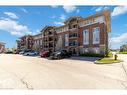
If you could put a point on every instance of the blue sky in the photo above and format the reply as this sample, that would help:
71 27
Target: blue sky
16 21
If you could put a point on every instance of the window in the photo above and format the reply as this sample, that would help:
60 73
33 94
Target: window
86 37
73 26
73 43
96 36
66 40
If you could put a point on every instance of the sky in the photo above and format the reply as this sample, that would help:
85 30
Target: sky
16 21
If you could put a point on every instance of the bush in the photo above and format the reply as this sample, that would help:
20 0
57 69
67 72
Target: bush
122 52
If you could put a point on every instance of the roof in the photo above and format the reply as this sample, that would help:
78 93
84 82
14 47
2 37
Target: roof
47 27
73 17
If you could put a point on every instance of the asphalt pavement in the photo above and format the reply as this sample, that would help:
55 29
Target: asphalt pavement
24 72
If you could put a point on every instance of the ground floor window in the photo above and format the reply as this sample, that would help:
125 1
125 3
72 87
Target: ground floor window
96 35
86 37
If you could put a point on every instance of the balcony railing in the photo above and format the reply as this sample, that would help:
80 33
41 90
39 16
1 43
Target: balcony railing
73 44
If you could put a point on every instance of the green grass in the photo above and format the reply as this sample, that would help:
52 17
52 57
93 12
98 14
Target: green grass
122 53
107 60
110 54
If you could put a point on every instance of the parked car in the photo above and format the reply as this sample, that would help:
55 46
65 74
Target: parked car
60 54
9 52
44 53
30 53
22 52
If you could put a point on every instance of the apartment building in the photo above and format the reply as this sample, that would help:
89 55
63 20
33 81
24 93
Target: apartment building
2 47
85 35
25 42
37 42
78 35
49 38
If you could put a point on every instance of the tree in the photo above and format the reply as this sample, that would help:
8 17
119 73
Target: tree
36 47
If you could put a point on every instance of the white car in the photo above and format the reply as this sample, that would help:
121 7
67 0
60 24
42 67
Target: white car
30 53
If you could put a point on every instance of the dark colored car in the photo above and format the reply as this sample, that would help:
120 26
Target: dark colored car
44 53
60 54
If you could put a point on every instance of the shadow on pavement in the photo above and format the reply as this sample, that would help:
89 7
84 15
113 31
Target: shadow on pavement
92 59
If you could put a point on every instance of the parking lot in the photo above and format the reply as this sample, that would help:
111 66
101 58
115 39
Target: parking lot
25 72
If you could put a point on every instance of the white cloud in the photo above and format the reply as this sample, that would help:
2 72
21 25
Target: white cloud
106 7
53 16
93 8
61 20
69 9
99 9
58 23
13 27
54 6
62 17
119 39
119 10
24 10
11 15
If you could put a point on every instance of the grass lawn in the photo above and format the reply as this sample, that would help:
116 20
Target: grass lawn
122 53
107 60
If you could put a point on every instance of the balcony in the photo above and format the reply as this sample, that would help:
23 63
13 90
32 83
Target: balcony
50 33
73 44
74 35
50 39
46 46
50 44
73 27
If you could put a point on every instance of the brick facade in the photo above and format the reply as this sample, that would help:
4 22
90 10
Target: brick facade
25 42
78 35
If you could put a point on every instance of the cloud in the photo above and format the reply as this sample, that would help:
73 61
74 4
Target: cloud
11 15
99 9
119 10
69 9
62 17
24 10
61 20
53 16
119 39
54 6
13 27
58 23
